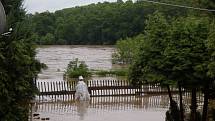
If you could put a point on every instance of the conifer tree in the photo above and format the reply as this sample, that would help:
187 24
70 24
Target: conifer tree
18 66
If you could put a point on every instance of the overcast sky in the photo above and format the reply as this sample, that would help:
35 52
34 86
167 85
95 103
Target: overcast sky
33 6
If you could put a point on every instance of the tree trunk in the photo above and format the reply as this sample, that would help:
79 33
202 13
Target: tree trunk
181 103
205 106
193 105
170 95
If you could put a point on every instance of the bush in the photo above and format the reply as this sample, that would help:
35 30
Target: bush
118 72
77 68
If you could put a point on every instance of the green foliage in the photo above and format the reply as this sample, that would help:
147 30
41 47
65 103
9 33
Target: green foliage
174 51
76 68
18 66
211 50
47 39
118 72
188 50
178 51
127 50
102 23
150 58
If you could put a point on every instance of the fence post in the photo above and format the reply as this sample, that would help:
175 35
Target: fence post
41 84
56 86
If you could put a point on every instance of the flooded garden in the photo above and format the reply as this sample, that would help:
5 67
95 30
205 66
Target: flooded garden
105 108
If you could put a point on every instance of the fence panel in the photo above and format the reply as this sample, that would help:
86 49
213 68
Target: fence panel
100 88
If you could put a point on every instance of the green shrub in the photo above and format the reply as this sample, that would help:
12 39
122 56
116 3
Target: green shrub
77 68
118 72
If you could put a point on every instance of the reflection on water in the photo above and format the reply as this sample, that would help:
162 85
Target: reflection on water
115 108
128 108
82 109
58 57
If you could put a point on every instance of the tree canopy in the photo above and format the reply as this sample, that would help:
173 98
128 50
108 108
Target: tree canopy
182 52
177 52
102 23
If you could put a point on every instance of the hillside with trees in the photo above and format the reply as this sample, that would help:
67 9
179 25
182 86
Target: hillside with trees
101 23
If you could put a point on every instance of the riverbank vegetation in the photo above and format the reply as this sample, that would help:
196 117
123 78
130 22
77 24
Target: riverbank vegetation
115 72
101 24
126 50
77 68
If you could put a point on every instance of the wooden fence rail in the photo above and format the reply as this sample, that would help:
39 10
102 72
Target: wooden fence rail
100 88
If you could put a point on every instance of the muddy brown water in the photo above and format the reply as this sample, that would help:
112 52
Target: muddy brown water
127 108
58 57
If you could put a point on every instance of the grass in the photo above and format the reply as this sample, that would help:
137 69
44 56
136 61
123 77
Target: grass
118 72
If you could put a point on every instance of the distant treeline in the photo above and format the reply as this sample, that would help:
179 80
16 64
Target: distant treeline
102 23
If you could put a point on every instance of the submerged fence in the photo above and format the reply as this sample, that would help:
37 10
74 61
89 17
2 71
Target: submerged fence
107 103
115 103
58 96
99 88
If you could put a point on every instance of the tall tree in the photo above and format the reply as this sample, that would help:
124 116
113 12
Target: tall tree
18 66
188 47
149 66
176 52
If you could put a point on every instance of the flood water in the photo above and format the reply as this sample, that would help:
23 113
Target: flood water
123 108
128 108
58 57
